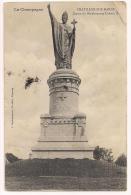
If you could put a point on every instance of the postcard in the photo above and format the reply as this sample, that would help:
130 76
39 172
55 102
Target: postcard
65 96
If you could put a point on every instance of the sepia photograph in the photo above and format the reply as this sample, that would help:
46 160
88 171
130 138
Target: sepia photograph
65 96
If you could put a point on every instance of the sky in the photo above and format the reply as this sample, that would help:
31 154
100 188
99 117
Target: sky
99 59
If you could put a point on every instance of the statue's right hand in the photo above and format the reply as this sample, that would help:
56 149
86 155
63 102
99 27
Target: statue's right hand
48 6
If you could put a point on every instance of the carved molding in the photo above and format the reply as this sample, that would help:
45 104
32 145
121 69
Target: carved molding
54 82
47 121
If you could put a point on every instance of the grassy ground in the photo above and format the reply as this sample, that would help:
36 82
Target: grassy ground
65 183
64 174
64 167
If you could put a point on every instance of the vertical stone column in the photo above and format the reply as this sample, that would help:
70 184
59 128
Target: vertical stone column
64 93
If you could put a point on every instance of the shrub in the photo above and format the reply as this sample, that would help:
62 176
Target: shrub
11 157
103 154
121 160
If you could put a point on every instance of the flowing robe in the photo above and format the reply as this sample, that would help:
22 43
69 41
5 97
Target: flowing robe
64 43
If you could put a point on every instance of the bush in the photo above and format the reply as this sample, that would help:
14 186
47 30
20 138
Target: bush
97 153
11 157
121 160
103 154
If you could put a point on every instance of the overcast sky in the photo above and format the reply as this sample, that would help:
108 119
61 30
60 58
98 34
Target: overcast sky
99 59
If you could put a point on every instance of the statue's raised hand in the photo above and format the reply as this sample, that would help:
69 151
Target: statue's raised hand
48 6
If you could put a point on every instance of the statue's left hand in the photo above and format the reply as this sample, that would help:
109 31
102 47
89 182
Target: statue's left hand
74 29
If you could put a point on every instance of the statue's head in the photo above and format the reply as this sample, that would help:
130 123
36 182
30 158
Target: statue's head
64 17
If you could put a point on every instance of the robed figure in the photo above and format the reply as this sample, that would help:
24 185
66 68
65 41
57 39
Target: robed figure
63 40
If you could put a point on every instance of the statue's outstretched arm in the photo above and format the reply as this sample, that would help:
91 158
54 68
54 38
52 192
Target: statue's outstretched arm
50 13
49 10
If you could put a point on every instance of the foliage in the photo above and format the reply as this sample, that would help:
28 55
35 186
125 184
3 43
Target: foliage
97 154
11 157
103 154
121 160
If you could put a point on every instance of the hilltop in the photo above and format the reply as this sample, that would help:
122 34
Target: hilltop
64 167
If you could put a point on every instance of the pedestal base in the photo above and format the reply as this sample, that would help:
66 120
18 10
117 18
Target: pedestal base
76 154
63 130
62 137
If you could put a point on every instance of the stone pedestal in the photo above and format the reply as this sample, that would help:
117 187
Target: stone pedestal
63 129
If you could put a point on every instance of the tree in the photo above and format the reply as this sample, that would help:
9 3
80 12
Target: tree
11 157
103 154
121 160
107 154
97 153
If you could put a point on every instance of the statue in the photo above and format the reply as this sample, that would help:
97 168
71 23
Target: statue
63 40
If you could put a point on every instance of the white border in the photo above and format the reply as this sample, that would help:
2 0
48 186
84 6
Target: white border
2 103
